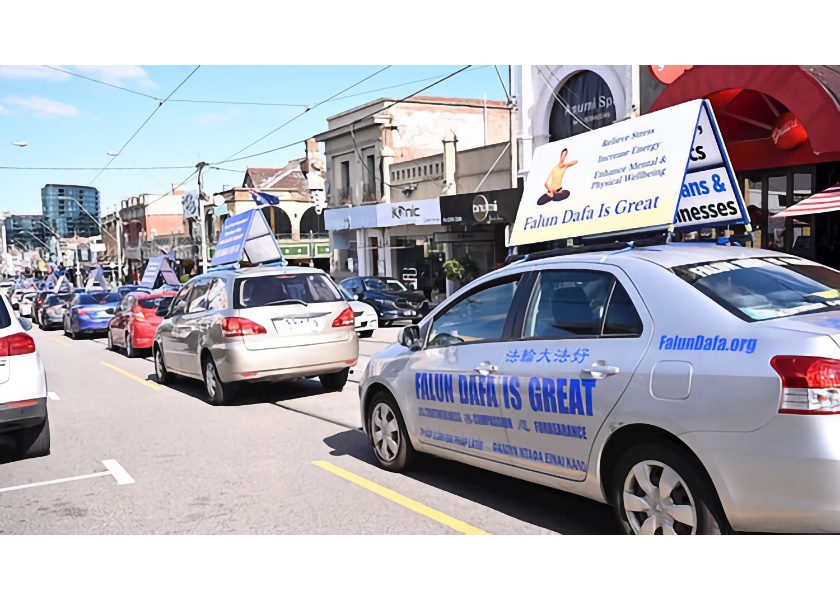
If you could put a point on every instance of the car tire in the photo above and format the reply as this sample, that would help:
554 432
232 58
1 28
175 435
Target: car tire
218 393
366 334
111 345
385 422
130 350
34 442
335 382
163 375
690 489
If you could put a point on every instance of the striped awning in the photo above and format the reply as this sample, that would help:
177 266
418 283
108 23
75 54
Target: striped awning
825 201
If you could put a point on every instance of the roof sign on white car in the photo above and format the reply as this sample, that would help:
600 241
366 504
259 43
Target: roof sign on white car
659 172
247 236
159 265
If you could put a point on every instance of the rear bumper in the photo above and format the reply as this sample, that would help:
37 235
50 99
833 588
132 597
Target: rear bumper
98 325
20 415
236 363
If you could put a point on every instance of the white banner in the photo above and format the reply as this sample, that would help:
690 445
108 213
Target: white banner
191 205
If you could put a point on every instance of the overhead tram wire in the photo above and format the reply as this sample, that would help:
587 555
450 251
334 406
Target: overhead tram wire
354 123
308 109
118 87
139 129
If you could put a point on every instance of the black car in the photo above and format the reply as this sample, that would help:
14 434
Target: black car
391 299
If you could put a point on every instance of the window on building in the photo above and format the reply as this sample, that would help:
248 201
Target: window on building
371 174
345 177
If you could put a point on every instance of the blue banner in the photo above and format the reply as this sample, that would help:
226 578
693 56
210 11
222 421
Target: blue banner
151 273
232 239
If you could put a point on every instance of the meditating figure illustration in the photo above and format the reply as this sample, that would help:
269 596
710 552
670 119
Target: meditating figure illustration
554 183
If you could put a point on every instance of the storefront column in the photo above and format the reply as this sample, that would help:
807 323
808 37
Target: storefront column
362 253
388 254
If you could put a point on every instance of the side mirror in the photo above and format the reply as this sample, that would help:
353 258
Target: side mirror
25 323
410 338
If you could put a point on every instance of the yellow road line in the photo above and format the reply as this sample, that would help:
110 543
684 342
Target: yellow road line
408 503
145 382
62 340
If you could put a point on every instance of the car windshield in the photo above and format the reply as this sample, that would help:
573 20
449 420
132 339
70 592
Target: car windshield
99 298
288 288
384 285
760 289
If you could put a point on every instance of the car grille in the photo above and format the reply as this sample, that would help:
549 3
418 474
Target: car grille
403 303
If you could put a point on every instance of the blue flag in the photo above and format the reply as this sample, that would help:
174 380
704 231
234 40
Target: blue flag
263 198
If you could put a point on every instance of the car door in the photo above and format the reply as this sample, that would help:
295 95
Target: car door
453 385
169 332
191 327
120 321
574 348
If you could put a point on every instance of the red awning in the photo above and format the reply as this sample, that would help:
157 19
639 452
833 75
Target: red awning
823 202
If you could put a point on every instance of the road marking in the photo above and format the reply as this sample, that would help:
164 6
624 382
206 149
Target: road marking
114 469
53 396
145 382
62 340
408 503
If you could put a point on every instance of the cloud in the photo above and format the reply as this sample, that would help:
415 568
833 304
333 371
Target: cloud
41 107
32 72
116 74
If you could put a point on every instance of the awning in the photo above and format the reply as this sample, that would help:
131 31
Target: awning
825 201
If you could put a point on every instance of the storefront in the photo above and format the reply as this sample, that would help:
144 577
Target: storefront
781 127
476 226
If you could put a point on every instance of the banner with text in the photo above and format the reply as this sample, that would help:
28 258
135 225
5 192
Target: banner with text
158 265
662 169
246 235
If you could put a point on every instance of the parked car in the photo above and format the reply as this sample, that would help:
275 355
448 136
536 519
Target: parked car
51 313
90 312
39 302
257 324
23 387
135 322
366 319
389 297
25 304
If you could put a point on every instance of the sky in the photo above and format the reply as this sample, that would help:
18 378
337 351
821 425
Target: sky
68 121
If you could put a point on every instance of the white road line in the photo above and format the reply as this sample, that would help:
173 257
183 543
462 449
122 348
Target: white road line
53 396
115 469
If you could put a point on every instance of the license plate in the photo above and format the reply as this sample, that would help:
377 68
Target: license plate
296 325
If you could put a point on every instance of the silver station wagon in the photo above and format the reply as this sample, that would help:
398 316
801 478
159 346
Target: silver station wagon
694 387
254 325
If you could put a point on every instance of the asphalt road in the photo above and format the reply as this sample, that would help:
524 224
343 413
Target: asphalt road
130 456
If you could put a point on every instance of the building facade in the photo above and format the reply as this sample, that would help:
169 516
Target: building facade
386 171
62 207
27 232
152 224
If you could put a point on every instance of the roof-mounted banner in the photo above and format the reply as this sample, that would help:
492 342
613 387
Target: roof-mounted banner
158 265
663 170
246 235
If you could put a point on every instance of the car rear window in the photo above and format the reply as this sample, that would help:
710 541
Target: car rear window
53 301
151 303
273 290
761 289
100 298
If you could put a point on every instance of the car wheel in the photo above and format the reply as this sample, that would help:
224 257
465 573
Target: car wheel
658 490
130 350
218 392
33 442
163 376
335 382
366 334
111 345
387 434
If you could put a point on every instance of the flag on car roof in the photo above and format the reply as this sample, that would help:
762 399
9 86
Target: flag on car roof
263 198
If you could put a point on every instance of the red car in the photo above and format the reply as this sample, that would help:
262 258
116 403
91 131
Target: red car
134 324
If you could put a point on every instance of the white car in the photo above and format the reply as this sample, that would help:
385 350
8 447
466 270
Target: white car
367 320
23 387
25 304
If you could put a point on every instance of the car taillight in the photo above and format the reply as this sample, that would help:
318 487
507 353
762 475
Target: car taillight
811 384
17 345
237 327
82 311
345 319
139 316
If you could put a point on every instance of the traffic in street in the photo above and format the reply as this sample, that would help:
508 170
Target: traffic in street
131 456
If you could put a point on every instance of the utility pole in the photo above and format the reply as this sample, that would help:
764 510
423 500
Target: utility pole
200 166
514 141
119 243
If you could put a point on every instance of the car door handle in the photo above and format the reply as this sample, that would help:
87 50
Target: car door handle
601 370
486 368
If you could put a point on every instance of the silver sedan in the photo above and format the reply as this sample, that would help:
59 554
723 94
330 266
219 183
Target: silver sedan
691 386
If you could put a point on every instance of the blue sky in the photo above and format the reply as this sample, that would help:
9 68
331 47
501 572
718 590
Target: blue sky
68 121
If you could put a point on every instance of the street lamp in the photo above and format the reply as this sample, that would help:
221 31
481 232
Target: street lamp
20 144
112 153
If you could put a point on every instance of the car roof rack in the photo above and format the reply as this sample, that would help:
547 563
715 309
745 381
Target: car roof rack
658 239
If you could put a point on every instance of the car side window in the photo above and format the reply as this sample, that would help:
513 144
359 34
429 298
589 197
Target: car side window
217 295
567 304
622 318
179 302
198 298
480 317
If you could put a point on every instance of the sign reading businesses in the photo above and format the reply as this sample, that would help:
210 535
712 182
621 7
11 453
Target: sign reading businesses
667 169
246 235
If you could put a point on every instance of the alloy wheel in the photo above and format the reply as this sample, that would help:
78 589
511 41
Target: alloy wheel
385 433
657 501
210 379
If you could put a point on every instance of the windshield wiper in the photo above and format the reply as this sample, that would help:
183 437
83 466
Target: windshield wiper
286 301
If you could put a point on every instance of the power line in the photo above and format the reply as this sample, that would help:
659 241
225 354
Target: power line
118 87
139 129
502 81
392 87
308 109
96 168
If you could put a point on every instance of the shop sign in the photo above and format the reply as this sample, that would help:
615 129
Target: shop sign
632 176
497 206
322 249
295 251
585 103
668 74
413 212
788 133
